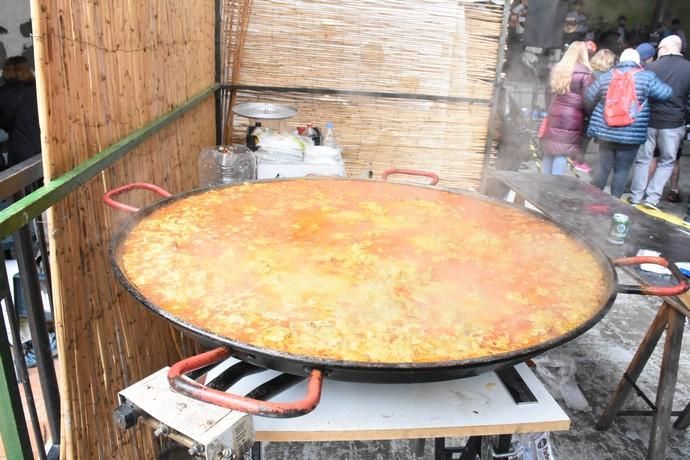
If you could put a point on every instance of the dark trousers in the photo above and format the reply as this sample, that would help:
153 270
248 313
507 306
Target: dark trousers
618 157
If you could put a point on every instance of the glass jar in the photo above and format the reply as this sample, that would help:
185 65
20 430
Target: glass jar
224 164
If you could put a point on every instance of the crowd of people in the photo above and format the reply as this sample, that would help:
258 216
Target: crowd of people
635 109
616 36
19 111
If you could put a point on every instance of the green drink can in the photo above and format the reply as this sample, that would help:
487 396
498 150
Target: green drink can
620 225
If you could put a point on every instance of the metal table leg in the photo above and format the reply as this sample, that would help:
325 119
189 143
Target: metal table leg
419 445
256 451
467 452
440 449
683 420
472 448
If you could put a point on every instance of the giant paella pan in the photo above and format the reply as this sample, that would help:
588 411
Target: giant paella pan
362 279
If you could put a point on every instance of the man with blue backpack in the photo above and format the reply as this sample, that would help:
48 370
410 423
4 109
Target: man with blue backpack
621 116
667 124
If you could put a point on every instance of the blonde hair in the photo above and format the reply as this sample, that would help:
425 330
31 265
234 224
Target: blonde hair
17 68
603 60
562 73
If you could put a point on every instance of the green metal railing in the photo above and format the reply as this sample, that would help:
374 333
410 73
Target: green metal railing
21 212
15 218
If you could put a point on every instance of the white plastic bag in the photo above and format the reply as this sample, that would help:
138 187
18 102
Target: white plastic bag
280 148
537 446
558 372
530 446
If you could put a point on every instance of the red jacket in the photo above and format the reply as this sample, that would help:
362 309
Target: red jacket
563 135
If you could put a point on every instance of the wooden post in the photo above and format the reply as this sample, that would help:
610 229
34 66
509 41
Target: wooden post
498 83
667 384
674 322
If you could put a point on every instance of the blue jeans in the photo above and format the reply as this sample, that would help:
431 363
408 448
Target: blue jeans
553 164
668 141
618 157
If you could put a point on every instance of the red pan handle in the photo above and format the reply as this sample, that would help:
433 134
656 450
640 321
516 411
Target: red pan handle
108 197
411 172
661 291
195 390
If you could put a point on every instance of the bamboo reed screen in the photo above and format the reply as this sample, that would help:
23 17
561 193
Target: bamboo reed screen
439 48
104 69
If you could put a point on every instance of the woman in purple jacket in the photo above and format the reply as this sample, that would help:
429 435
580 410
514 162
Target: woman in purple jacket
562 137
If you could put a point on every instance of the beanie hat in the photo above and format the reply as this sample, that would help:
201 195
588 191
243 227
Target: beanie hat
670 45
646 51
630 55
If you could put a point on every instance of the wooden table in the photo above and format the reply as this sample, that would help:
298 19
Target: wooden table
588 210
474 406
509 401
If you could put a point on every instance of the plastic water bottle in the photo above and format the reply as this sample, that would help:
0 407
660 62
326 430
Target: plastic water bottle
329 137
224 165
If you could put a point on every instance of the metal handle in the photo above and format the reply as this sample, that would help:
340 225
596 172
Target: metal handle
125 188
195 390
661 291
411 172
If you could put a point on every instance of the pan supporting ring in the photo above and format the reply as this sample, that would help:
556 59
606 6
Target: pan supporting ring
184 385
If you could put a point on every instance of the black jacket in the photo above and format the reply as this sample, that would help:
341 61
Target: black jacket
19 118
673 70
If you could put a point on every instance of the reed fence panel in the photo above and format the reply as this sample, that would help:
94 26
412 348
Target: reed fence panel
105 69
430 49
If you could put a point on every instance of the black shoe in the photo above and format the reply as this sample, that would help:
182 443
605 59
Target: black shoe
30 355
673 196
